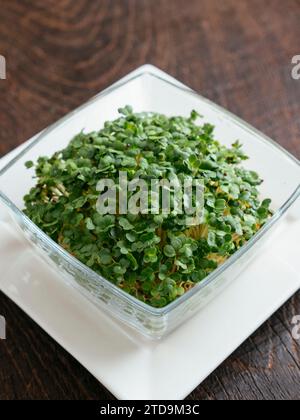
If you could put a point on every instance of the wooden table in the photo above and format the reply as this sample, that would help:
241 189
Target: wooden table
237 53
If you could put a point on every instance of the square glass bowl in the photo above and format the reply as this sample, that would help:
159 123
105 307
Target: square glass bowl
149 89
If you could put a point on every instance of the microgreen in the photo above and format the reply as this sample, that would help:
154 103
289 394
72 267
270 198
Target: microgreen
155 258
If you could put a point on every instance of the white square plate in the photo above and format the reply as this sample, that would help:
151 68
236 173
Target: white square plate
113 353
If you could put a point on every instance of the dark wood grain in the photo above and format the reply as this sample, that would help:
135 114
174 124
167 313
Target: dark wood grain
236 52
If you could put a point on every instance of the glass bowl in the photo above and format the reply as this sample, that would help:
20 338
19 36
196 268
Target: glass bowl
149 89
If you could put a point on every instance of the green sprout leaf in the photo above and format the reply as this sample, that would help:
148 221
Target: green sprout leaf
169 251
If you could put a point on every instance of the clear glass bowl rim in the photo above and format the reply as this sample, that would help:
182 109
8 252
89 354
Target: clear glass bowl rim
154 312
